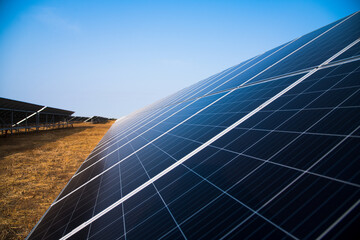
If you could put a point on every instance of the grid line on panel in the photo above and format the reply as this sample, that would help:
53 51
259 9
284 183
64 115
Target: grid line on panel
145 219
121 195
273 130
96 200
339 220
162 199
229 195
184 193
319 119
196 212
330 64
125 122
343 61
307 202
263 160
72 214
299 170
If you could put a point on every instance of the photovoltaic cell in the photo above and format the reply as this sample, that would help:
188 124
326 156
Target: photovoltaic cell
268 148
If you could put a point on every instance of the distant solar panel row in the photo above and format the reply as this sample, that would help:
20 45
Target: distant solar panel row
268 148
16 115
9 104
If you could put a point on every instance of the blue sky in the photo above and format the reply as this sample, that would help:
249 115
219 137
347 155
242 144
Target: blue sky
110 58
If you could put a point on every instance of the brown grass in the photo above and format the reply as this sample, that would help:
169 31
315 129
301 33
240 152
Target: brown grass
34 168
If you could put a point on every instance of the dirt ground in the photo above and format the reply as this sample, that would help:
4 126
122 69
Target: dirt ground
34 167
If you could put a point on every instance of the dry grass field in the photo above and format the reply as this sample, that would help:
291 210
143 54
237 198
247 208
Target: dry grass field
34 167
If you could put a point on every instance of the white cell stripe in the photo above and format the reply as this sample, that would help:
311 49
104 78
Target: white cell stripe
338 220
269 161
170 168
29 116
122 207
277 131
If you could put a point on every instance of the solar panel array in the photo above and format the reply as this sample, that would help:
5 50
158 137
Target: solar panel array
16 116
268 148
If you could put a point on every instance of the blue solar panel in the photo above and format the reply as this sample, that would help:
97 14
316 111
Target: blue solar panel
268 148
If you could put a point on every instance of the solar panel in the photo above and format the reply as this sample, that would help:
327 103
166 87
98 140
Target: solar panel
268 148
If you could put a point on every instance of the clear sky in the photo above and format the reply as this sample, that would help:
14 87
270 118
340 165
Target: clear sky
110 58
